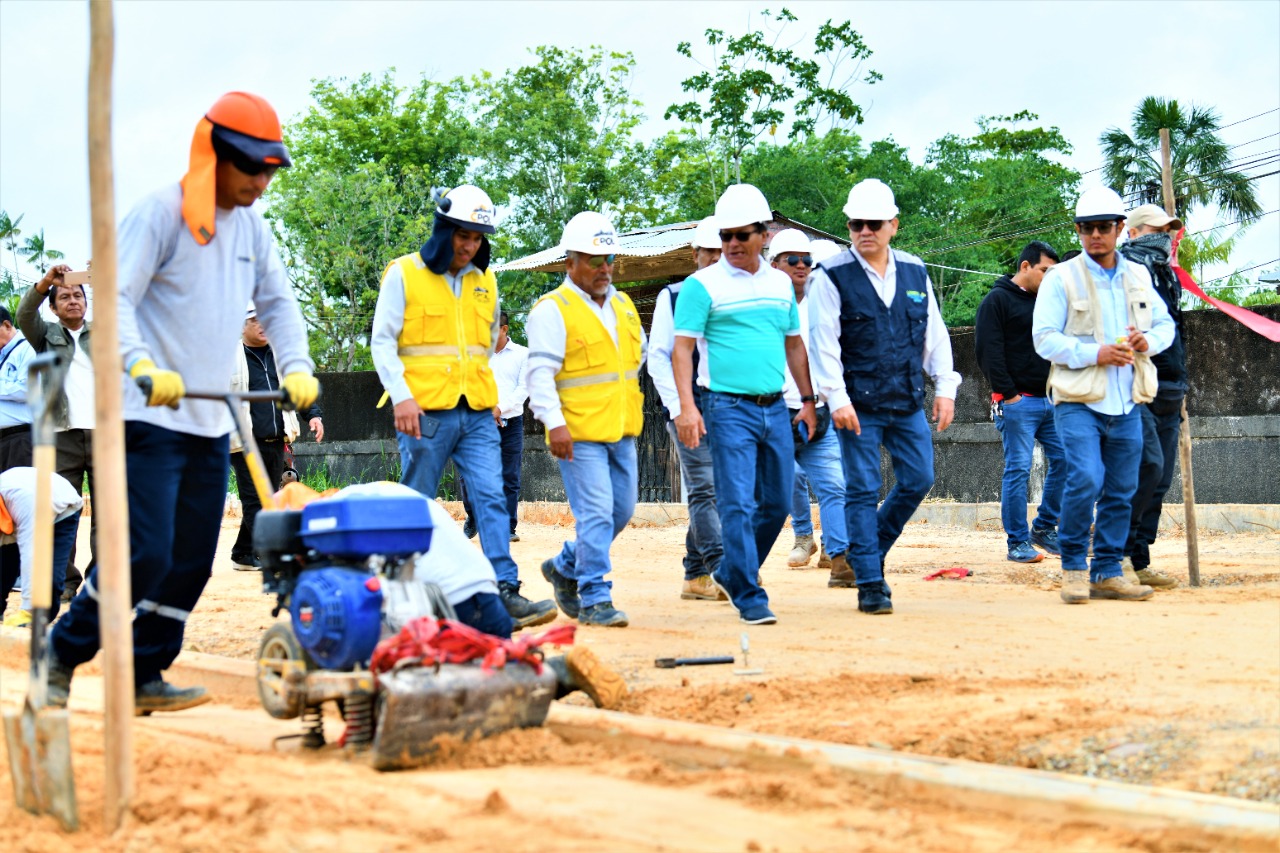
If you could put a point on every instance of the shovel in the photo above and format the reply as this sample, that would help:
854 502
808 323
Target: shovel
39 738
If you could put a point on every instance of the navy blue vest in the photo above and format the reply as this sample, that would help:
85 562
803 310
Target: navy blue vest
882 348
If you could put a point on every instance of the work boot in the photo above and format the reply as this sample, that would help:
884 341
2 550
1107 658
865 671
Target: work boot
841 573
586 673
1126 571
1075 587
702 589
1155 580
468 529
565 589
59 682
824 559
604 614
18 619
1046 540
523 612
801 552
1120 589
160 695
874 598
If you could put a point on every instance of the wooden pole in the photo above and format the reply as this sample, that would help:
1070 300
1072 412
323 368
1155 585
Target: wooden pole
1184 435
109 494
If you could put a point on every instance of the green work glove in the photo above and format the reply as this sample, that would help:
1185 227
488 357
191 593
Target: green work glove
162 387
302 388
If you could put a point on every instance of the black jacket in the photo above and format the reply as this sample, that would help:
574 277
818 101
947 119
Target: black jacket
1002 337
268 418
1171 363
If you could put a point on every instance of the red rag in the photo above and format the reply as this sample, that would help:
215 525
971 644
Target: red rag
954 572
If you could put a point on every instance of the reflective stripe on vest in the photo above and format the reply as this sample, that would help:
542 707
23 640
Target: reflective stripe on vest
444 340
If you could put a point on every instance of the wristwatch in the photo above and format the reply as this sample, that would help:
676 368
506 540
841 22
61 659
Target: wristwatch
809 398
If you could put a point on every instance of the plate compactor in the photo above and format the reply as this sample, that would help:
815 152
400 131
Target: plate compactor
343 568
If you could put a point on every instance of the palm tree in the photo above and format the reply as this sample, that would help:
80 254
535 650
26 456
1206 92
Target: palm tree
1201 161
38 254
9 233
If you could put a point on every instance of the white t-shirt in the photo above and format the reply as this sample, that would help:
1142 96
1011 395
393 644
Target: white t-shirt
79 386
18 489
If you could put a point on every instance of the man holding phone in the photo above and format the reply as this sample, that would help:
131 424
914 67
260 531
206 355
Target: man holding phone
434 327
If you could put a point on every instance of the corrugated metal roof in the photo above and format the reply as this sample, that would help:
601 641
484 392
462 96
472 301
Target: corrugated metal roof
643 243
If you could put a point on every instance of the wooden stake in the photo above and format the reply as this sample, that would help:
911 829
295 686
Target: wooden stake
109 492
1184 435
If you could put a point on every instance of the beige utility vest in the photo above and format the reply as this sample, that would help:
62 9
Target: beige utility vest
1084 322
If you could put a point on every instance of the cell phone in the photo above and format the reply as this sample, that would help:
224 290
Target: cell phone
804 431
428 425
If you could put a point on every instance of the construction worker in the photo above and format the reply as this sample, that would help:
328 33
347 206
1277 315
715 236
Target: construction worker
876 330
192 255
15 416
702 545
817 454
17 537
586 346
435 325
1098 320
746 312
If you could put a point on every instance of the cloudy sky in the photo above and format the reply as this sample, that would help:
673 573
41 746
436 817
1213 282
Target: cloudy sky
1082 66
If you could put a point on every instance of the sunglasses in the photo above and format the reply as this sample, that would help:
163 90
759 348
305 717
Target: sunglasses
798 260
855 225
597 261
740 236
1096 227
254 168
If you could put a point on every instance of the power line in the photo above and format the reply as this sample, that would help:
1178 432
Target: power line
1251 141
1238 272
1250 118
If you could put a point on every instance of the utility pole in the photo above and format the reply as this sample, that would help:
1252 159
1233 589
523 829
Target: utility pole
1184 435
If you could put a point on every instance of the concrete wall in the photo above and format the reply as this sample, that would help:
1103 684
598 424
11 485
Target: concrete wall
1234 406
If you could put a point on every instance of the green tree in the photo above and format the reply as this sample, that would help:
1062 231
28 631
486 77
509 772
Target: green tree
9 234
38 253
1201 165
753 85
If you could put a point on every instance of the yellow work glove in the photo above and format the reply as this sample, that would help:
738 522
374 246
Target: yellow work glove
302 388
162 387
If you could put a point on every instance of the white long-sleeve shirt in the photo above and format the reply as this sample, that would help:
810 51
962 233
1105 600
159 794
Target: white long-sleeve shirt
546 331
824 332
1049 320
18 489
388 322
510 365
662 341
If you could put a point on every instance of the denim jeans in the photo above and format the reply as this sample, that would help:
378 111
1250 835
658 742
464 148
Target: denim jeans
1161 421
601 484
872 532
470 439
820 463
1021 425
752 452
177 485
511 438
703 549
1102 469
64 539
485 612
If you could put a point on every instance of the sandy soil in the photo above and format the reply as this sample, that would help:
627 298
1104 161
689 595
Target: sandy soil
1181 691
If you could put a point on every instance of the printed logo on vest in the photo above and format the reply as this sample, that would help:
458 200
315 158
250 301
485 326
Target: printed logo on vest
916 296
482 294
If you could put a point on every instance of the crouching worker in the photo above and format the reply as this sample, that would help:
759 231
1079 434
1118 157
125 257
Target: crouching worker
17 537
467 579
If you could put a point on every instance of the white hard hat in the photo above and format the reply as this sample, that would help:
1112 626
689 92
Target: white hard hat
1099 204
707 234
789 240
590 233
468 206
870 199
823 249
742 204
250 312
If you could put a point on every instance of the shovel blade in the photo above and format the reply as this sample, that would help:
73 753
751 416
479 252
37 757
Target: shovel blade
39 746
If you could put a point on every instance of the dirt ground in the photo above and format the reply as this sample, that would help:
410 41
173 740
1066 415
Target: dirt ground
1181 691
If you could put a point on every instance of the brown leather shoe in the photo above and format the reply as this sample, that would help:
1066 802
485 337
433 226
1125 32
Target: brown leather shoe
841 573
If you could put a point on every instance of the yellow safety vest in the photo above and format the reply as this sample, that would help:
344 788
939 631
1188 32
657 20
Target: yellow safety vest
598 384
444 343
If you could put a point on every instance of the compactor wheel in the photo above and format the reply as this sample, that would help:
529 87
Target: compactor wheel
278 655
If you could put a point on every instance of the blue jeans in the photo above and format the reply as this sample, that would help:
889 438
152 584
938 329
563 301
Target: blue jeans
485 612
872 532
177 486
1161 421
751 450
64 540
1102 468
1021 425
601 484
703 549
821 464
470 439
511 438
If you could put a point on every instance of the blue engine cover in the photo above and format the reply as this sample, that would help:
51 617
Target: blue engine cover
337 616
355 525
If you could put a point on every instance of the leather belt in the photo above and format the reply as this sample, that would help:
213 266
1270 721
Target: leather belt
758 399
